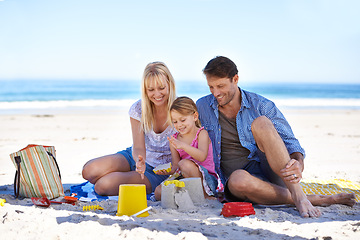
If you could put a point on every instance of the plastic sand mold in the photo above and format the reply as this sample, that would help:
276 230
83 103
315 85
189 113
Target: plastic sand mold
45 202
237 209
163 167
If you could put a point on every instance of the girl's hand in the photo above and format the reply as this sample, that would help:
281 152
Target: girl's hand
140 166
176 143
162 172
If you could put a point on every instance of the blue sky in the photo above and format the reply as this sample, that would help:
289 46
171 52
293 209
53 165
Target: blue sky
270 41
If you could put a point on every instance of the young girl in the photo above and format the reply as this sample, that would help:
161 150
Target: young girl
191 148
151 126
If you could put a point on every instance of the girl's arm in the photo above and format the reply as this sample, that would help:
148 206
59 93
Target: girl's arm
174 162
175 159
138 148
199 153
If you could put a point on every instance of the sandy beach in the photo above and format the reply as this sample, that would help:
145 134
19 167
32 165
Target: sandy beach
331 138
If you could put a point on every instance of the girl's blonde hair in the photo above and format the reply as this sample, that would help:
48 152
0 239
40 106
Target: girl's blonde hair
185 106
155 71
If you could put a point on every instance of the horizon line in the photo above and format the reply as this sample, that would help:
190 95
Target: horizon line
246 82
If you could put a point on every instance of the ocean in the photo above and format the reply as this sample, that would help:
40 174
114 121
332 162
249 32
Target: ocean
19 95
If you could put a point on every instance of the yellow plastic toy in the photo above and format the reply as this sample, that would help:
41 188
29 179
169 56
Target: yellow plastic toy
92 208
2 201
132 199
176 182
166 167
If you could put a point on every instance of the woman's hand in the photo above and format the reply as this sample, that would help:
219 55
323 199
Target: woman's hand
140 166
292 171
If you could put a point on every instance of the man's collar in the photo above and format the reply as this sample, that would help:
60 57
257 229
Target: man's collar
213 102
244 101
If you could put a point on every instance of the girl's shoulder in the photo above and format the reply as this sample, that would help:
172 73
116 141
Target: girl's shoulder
202 133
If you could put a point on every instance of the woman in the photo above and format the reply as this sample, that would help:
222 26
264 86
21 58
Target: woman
151 125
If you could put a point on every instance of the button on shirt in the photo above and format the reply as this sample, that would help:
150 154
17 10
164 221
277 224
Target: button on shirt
252 107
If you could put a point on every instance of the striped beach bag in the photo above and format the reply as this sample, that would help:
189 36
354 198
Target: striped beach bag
37 172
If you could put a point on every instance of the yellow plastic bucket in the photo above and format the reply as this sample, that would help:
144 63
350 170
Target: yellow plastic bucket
132 199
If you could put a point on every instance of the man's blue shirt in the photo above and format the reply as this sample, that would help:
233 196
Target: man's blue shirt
252 106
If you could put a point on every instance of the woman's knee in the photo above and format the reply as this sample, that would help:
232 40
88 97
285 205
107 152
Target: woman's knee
89 171
98 167
106 186
101 188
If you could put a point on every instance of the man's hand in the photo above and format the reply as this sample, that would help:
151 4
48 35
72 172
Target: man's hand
292 171
140 166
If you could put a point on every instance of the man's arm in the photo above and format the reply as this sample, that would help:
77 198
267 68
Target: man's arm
300 158
292 172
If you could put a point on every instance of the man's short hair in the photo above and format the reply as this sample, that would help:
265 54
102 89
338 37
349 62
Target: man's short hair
221 67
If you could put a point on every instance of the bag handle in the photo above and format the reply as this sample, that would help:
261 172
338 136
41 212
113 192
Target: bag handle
17 177
55 163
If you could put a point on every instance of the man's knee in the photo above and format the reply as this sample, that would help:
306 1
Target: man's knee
263 131
239 181
261 124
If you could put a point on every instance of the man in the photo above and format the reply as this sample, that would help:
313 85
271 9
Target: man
255 151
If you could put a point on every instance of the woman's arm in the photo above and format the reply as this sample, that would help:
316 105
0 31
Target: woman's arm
138 147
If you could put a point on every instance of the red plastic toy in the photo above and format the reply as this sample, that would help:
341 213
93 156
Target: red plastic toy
237 209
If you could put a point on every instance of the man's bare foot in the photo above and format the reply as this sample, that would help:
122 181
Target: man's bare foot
327 200
302 203
340 198
344 198
306 209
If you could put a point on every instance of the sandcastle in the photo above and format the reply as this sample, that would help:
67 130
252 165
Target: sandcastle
182 194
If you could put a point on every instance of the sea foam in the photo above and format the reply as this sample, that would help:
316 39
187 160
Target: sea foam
126 103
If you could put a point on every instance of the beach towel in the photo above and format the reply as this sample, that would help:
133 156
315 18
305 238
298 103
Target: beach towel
86 192
328 187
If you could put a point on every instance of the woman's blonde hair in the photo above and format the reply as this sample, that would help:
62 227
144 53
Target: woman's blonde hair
155 71
185 106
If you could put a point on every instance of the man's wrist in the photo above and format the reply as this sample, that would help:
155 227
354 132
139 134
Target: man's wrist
298 157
